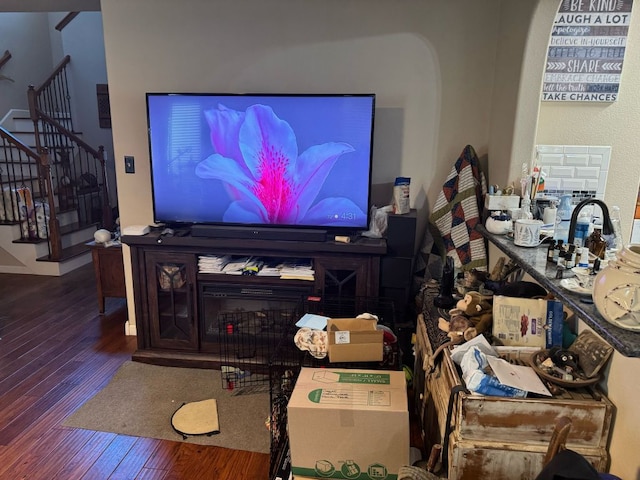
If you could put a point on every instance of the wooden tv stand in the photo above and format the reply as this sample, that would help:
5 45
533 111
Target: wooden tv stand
176 305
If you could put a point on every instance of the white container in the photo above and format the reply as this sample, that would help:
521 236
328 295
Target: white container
549 215
498 224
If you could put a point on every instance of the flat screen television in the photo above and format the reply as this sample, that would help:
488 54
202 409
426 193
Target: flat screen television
261 160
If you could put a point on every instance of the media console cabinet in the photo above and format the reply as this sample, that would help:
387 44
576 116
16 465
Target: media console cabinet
177 308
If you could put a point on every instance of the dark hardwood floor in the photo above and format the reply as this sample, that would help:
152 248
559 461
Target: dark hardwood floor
55 353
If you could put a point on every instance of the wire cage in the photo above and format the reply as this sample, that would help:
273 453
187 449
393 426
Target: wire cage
248 340
287 361
283 373
349 307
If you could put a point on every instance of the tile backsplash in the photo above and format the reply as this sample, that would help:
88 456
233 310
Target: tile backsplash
579 170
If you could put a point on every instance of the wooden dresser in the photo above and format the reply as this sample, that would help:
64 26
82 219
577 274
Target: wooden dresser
497 437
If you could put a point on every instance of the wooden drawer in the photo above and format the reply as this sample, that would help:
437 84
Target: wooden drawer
494 437
505 461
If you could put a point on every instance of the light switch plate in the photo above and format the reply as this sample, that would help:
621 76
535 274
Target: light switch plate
129 165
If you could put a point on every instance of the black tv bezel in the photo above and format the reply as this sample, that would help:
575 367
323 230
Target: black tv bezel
331 229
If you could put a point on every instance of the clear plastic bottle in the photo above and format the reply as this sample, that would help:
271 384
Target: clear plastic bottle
582 229
616 242
563 219
584 258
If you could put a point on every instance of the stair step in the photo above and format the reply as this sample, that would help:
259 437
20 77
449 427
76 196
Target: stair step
69 252
64 230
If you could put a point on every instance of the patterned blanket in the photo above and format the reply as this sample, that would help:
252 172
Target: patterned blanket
457 212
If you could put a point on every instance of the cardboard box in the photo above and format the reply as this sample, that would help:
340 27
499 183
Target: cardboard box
354 340
527 322
348 423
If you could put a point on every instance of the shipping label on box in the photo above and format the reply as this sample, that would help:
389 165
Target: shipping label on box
354 340
347 423
527 322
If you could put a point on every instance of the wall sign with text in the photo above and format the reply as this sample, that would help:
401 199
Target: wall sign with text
586 51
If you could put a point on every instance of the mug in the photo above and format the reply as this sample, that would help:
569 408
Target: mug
549 215
526 232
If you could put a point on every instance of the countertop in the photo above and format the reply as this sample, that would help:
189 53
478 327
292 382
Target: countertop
534 262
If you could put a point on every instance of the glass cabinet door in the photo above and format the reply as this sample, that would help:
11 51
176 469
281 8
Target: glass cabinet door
172 309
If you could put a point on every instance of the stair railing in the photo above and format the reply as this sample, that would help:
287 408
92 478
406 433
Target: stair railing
78 171
25 182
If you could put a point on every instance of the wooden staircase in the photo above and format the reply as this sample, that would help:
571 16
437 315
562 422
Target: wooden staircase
53 186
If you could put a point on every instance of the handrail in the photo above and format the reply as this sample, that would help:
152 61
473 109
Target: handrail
6 56
66 20
53 235
69 133
18 144
52 77
71 175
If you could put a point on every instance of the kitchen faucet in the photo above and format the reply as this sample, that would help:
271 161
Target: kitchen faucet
607 226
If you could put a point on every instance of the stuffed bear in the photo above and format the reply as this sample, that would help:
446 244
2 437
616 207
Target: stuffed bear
479 314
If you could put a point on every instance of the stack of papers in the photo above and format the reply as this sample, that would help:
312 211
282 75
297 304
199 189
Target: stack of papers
235 266
271 268
297 270
212 263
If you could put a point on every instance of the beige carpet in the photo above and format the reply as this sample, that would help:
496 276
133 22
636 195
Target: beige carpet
141 398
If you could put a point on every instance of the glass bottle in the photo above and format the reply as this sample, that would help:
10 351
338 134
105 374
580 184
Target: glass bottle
557 249
550 250
570 257
597 243
526 208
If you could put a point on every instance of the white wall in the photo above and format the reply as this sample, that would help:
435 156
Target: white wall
433 81
615 124
21 33
430 64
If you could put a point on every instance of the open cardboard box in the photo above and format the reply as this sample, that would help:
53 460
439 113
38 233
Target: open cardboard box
354 340
527 322
348 423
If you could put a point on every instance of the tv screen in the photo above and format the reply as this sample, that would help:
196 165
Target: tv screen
261 160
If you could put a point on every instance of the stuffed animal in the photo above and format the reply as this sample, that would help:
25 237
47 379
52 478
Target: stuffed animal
476 309
455 327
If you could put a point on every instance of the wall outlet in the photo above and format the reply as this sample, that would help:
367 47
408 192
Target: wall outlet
129 165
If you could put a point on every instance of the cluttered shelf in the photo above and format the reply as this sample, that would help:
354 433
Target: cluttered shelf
534 262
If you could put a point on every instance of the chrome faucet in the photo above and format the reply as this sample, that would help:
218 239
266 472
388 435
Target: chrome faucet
607 226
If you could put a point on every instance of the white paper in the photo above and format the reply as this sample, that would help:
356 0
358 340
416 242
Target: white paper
313 321
517 376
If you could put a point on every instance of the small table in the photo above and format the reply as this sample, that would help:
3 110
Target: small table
109 269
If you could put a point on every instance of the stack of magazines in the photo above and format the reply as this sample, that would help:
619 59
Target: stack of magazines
212 263
300 269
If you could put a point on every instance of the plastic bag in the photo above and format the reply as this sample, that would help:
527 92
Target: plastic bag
378 222
473 364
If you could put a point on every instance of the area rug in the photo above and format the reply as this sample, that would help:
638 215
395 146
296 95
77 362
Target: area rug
140 400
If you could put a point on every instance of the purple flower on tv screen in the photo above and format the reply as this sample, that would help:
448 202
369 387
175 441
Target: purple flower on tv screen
256 158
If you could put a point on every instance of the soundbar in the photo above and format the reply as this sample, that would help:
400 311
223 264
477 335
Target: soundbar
290 234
